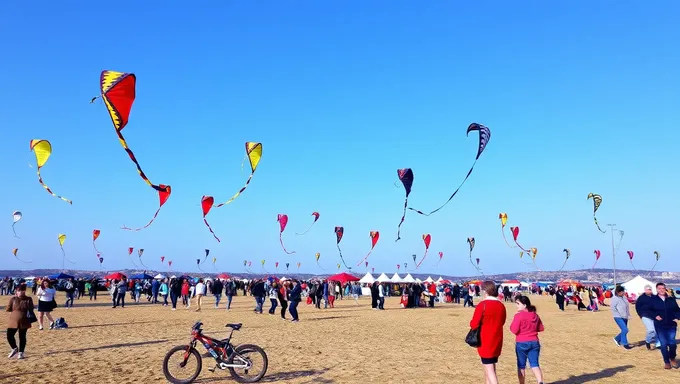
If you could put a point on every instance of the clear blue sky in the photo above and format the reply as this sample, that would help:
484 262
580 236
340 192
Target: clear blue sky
579 97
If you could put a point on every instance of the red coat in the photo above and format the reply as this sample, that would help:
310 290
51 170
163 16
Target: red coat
492 321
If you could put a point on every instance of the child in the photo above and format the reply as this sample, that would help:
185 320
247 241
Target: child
525 325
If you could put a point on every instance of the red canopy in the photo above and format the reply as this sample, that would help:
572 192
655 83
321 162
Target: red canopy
511 282
223 276
115 276
343 277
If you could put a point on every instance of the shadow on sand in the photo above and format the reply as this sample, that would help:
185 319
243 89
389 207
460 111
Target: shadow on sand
122 345
312 376
592 377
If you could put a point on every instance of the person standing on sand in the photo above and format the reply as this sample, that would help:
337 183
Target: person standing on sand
185 294
490 316
18 306
666 310
645 309
282 294
526 325
294 297
46 303
200 292
621 313
229 291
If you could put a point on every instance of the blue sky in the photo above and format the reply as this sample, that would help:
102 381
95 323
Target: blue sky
580 98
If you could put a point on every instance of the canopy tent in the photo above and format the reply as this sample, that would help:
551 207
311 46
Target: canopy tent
637 285
569 283
114 276
418 281
367 279
383 279
159 276
396 278
58 276
284 278
439 280
343 277
409 279
429 280
443 282
223 276
141 276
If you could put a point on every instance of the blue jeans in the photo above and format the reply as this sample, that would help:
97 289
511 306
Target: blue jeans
623 325
69 299
173 299
293 309
527 350
650 337
229 301
259 302
218 297
325 301
272 309
666 336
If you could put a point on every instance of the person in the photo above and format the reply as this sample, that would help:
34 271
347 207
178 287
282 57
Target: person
217 288
273 297
381 296
559 298
295 296
526 325
175 291
18 321
230 291
666 311
46 303
490 316
621 313
282 296
200 291
645 309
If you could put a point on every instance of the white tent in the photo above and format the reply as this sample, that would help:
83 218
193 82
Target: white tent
284 279
159 276
409 279
439 280
637 285
383 279
418 281
429 280
396 278
367 279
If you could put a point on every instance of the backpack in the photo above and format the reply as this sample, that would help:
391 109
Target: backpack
60 323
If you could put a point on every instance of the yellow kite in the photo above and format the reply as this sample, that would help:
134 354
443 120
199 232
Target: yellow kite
43 150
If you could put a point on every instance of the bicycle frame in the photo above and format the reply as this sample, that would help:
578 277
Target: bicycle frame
217 349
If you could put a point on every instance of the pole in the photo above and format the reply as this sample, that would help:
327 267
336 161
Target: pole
611 229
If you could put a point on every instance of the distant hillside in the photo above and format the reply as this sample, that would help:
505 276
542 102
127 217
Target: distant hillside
599 275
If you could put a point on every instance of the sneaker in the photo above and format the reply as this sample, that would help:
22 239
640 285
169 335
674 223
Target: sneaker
674 364
627 347
12 353
51 324
649 347
617 343
667 366
20 356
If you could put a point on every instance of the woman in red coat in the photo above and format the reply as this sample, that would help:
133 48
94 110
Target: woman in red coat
490 314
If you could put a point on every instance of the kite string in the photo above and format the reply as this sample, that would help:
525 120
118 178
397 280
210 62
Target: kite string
403 217
308 229
423 259
451 197
237 193
476 266
283 246
149 223
64 254
364 259
211 230
504 238
15 233
342 258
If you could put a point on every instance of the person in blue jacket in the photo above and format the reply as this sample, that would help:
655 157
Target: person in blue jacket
666 311
645 309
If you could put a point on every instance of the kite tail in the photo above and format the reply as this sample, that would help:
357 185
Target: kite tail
438 261
215 266
15 233
598 225
653 266
308 229
142 264
283 246
49 190
24 261
64 254
147 225
423 259
342 258
317 263
474 265
536 266
631 263
451 197
199 267
134 160
211 230
133 262
593 267
403 217
520 247
237 193
563 264
506 240
95 247
364 259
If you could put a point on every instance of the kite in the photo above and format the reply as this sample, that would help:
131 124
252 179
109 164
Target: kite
406 178
140 252
214 261
597 257
283 221
656 254
471 243
254 154
16 216
339 232
567 254
162 259
533 252
630 257
372 270
318 255
118 92
405 265
515 235
265 271
207 252
530 251
504 220
299 264
101 259
484 137
597 200
276 266
375 236
43 150
15 251
477 260
441 255
62 239
316 217
339 266
95 235
399 266
130 255
287 265
198 263
366 264
170 265
207 204
426 239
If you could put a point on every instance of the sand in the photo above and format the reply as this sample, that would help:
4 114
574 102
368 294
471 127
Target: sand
348 344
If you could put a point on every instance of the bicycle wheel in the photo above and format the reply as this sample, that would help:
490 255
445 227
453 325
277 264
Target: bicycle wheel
181 365
250 355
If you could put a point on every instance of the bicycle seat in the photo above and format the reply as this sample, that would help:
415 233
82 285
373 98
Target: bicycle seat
235 327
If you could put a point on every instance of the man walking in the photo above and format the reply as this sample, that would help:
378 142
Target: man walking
645 309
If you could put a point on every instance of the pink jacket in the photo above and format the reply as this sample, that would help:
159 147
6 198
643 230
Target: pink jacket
526 326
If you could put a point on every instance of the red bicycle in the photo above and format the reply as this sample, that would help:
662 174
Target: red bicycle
239 360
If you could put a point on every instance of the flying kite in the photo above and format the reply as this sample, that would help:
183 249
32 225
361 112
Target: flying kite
597 257
567 254
140 252
207 204
441 255
406 178
656 254
406 265
162 259
316 217
43 150
265 271
287 265
398 266
298 265
16 216
597 200
276 266
118 92
318 255
630 257
338 266
62 239
426 239
471 243
374 235
339 232
198 263
130 249
170 265
207 252
254 154
504 220
95 235
484 137
15 251
101 259
283 221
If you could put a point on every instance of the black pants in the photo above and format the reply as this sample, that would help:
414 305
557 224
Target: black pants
560 304
93 294
120 300
432 301
284 306
22 338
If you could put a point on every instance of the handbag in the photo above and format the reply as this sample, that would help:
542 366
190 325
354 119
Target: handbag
30 315
473 337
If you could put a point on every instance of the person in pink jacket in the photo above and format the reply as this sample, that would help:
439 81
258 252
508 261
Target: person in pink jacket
526 325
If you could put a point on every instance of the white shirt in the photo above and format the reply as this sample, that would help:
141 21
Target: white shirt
200 289
46 294
380 291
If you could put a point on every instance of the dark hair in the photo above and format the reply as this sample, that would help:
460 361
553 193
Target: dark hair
525 300
490 288
620 289
660 285
21 287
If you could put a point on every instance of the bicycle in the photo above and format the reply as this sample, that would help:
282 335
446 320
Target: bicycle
235 359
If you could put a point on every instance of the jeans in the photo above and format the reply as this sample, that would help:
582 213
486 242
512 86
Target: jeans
165 299
259 302
293 309
229 297
650 338
530 350
218 297
93 294
623 325
284 306
381 303
120 300
325 301
173 299
666 336
272 309
69 299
